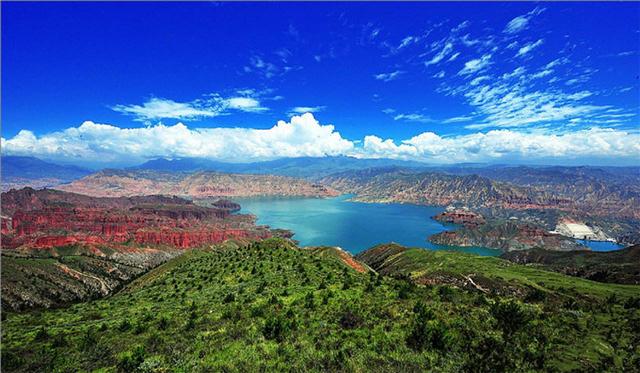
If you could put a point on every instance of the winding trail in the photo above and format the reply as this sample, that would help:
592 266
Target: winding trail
103 285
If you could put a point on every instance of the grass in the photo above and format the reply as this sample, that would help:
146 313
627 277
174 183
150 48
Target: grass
272 306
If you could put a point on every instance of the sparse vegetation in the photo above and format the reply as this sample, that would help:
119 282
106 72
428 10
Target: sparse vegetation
231 309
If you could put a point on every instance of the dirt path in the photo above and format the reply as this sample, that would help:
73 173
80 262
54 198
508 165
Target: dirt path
103 285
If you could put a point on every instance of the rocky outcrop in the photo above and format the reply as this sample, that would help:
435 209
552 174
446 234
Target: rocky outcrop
42 219
185 239
462 217
506 236
227 205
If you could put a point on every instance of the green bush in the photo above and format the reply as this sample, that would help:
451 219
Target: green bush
130 361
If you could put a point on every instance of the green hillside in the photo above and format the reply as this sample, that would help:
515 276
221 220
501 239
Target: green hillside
272 306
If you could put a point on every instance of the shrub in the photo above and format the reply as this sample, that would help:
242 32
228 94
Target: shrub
309 300
124 325
427 331
131 360
350 320
42 335
510 316
275 328
230 297
163 323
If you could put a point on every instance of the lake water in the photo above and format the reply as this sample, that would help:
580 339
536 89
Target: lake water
353 226
601 245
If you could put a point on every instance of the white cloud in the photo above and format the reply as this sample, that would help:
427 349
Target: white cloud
407 41
439 75
387 77
542 74
158 108
305 109
453 57
266 69
448 47
475 65
528 48
510 146
211 106
413 118
103 143
245 104
108 145
388 111
521 22
458 119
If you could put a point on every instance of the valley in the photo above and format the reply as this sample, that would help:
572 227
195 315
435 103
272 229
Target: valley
159 258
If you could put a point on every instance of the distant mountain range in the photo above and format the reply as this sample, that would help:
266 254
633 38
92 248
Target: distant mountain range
18 172
303 167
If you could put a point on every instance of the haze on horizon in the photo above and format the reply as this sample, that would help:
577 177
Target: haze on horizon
99 84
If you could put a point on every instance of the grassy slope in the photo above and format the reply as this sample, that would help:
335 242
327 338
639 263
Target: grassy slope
419 263
272 306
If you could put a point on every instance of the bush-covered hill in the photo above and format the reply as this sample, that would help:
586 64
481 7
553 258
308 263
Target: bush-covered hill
272 306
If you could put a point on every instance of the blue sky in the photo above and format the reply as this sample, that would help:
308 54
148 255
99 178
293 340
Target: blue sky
494 82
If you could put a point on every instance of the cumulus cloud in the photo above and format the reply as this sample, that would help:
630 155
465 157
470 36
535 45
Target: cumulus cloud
507 145
103 143
387 77
107 145
521 22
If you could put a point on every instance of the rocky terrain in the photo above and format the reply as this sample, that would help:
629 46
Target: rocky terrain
579 230
507 235
467 218
620 266
118 183
474 191
59 247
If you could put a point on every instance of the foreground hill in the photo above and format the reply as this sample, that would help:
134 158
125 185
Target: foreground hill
18 172
118 183
272 306
620 266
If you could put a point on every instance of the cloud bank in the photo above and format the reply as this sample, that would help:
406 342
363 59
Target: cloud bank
105 144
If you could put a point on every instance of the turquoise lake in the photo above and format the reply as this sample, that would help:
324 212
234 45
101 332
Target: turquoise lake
353 226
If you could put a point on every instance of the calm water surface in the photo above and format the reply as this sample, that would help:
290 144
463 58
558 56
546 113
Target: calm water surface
601 245
353 226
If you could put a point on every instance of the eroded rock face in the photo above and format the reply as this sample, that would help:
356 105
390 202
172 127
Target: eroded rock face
61 247
46 219
466 218
506 236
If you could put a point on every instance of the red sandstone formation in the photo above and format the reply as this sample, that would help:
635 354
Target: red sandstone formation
467 218
46 218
